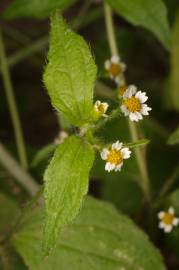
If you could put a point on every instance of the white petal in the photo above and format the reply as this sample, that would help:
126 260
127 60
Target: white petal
109 166
98 102
161 214
117 79
144 110
117 145
125 110
123 66
107 64
133 117
126 153
141 96
115 59
161 225
105 105
104 153
171 210
118 167
176 221
130 91
139 115
168 228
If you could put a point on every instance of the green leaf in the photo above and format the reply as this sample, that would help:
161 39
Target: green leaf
66 183
70 73
100 238
151 14
34 8
174 137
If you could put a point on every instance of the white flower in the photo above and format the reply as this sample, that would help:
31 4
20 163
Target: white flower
101 108
114 156
115 68
168 220
133 104
62 135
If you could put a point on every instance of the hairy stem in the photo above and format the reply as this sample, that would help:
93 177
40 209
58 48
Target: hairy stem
145 184
21 176
12 105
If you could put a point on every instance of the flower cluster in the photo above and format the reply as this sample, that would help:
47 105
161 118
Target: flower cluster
168 220
132 104
132 101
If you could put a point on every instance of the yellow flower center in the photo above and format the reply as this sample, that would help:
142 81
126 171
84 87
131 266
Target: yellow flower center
168 218
133 104
122 89
101 109
115 157
115 69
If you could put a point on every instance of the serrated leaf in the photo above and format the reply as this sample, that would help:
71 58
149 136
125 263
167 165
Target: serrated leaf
34 8
174 137
100 238
70 73
66 183
151 14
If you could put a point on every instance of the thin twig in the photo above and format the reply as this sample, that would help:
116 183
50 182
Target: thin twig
12 105
17 172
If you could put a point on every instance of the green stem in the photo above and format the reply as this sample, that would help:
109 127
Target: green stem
21 176
12 105
132 127
140 161
110 29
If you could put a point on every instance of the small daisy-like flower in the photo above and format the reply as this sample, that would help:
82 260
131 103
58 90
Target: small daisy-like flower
62 135
168 220
101 108
115 68
133 104
114 156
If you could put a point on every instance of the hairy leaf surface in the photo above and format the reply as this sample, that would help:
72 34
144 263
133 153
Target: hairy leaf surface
70 73
100 238
66 183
